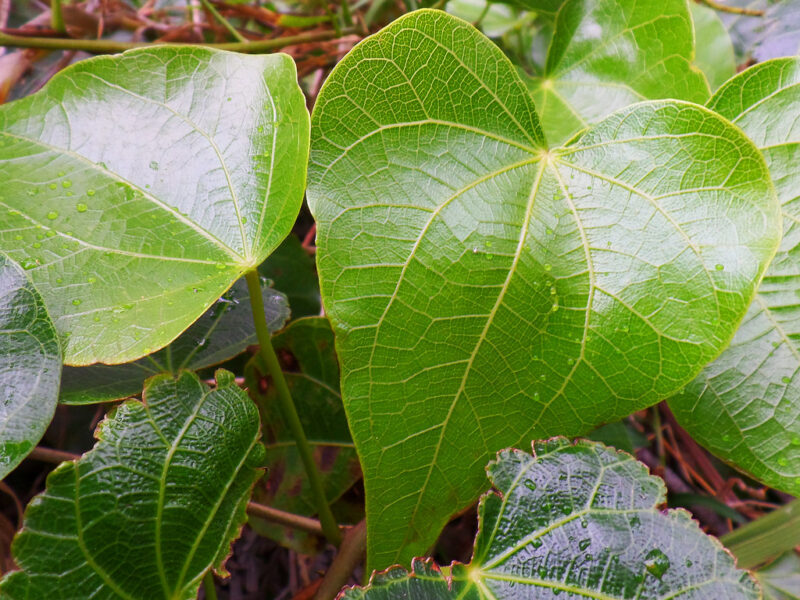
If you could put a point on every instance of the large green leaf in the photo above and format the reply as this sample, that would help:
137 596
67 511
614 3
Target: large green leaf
138 188
154 504
580 520
485 290
224 331
306 347
745 407
30 366
780 580
715 55
607 54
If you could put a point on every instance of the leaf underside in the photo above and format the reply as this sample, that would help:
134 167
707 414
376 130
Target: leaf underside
575 521
745 406
223 331
30 366
137 188
485 290
153 505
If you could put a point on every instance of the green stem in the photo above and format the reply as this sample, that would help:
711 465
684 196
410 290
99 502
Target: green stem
208 586
112 47
735 10
766 537
350 555
57 17
224 22
288 409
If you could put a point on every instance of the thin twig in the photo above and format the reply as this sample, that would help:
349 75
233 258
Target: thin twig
351 553
57 16
112 46
736 10
51 455
280 517
224 22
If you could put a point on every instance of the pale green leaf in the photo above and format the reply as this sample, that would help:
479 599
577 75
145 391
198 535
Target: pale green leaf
30 366
224 331
780 580
485 290
306 348
582 521
155 504
607 54
137 188
714 55
745 406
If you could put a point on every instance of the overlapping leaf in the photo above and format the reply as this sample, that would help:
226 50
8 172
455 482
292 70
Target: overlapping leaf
579 520
607 54
138 188
745 407
291 270
714 50
154 504
30 366
312 373
224 331
485 290
780 580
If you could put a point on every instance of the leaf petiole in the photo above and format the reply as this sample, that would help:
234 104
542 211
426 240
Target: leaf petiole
288 410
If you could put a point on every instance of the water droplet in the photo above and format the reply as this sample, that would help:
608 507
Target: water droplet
221 266
33 191
530 484
28 264
81 207
689 563
92 279
796 441
584 544
96 318
782 461
37 244
18 237
786 379
584 524
549 231
52 215
719 267
536 543
66 183
656 563
51 233
154 165
52 186
635 521
76 302
90 192
548 267
61 173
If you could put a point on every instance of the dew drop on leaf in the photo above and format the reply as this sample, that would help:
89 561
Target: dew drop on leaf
52 215
76 302
66 183
656 563
81 207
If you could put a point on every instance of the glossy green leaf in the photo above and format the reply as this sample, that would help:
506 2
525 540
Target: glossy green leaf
579 520
607 54
137 188
780 580
306 348
292 271
30 366
224 331
484 290
156 503
714 55
745 407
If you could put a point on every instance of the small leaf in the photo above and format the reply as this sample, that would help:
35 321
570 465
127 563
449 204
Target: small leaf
312 373
744 406
30 366
138 188
155 503
607 54
292 271
780 579
582 520
224 331
714 55
485 289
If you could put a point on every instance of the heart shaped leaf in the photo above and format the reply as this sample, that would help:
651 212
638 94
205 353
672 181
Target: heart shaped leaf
485 289
744 407
579 519
306 347
224 331
607 54
30 366
153 505
137 188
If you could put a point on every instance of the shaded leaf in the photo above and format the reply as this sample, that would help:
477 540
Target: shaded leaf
607 54
780 580
153 505
580 520
745 406
485 290
223 331
714 55
292 271
138 188
306 347
30 366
